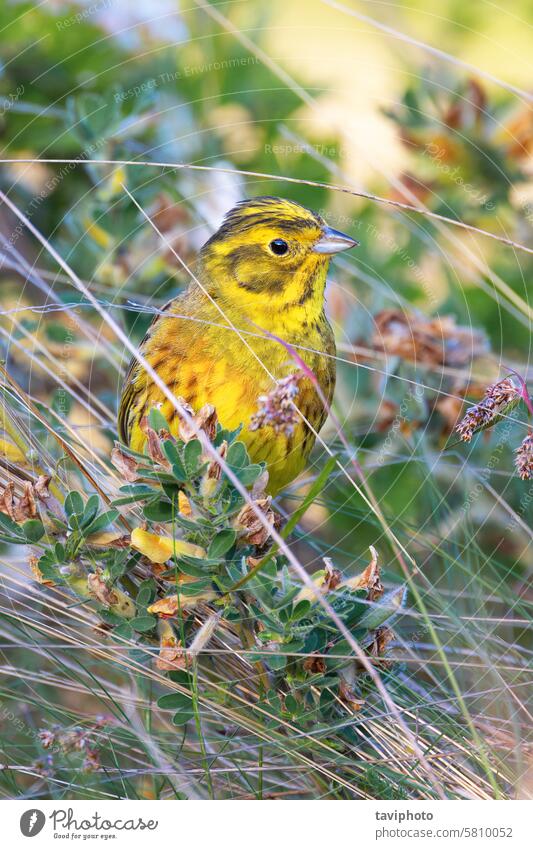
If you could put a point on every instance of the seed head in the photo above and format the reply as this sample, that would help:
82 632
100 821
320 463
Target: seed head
524 458
499 399
276 409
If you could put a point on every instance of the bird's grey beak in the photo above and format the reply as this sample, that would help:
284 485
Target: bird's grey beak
332 241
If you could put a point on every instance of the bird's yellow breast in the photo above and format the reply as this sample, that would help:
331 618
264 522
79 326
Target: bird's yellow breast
203 361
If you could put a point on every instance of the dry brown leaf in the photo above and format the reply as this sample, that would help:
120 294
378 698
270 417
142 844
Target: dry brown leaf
37 574
7 500
155 451
250 528
332 576
111 597
205 419
43 494
125 464
25 507
172 655
347 695
437 341
369 579
378 647
315 665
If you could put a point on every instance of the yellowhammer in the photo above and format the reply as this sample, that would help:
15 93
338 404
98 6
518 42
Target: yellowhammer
264 273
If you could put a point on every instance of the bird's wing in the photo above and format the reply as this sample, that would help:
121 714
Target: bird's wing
128 396
130 390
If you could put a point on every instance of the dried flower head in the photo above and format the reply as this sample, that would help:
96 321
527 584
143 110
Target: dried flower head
332 576
25 506
211 477
276 409
524 458
127 465
369 579
112 597
171 654
153 445
499 400
250 526
47 738
205 419
91 761
315 665
438 341
44 767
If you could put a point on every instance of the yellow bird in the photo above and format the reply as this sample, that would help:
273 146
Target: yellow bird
263 273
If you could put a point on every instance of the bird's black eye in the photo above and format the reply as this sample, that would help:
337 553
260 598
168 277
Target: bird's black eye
279 247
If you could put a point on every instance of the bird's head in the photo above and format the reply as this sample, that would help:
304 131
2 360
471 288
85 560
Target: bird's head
271 251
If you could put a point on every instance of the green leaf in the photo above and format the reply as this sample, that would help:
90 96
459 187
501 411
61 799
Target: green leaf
291 704
73 504
9 526
249 474
124 630
145 593
156 420
90 510
140 493
182 717
225 435
173 701
191 566
387 606
222 543
143 623
101 522
237 456
159 511
33 530
180 676
179 702
170 450
192 457
300 610
59 552
136 489
276 661
117 569
193 588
